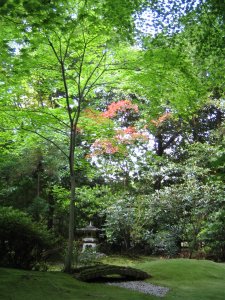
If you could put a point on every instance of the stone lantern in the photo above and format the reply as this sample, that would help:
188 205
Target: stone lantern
89 240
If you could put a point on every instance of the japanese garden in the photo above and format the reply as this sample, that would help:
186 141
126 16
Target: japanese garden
112 142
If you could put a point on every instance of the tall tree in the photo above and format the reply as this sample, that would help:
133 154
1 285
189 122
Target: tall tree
62 54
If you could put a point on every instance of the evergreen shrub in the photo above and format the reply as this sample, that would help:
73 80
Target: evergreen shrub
22 241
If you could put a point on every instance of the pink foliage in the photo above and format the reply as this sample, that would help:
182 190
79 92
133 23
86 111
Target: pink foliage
130 134
103 146
120 106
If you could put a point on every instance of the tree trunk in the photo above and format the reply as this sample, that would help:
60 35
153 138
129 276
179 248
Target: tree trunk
51 209
159 151
38 184
69 254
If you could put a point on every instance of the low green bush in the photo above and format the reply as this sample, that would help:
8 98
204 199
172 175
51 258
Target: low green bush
22 241
165 243
213 236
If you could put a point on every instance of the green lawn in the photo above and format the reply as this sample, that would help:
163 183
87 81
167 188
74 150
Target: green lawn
188 280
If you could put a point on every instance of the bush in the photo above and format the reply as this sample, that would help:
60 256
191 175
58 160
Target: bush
124 227
165 243
85 258
213 236
22 241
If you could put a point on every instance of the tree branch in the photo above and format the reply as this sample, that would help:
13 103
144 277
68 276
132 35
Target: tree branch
93 72
39 134
47 139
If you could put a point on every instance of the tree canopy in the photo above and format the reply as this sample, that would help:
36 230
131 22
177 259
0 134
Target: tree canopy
111 109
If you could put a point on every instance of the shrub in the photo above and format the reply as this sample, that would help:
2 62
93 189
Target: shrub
213 236
85 258
22 241
124 226
165 243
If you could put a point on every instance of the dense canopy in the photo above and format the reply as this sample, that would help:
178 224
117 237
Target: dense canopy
113 112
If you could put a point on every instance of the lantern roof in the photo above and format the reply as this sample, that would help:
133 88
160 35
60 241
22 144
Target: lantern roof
89 228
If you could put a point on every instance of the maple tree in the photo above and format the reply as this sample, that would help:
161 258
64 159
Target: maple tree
124 134
104 146
61 55
123 106
55 62
131 134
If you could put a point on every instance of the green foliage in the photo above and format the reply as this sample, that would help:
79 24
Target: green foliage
89 257
57 57
165 243
126 225
38 208
185 207
61 196
160 221
93 200
119 221
168 80
22 242
212 235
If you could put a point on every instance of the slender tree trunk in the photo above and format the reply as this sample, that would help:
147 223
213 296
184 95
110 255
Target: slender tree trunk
159 145
69 254
38 183
51 209
159 151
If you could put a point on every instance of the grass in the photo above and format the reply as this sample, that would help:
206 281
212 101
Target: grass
187 279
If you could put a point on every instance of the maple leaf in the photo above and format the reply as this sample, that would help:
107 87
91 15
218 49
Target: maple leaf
161 119
120 106
103 146
130 134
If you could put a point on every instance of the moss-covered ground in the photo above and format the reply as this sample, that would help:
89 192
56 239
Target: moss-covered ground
187 280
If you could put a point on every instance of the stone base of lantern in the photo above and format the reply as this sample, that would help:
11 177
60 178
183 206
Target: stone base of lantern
88 246
89 243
